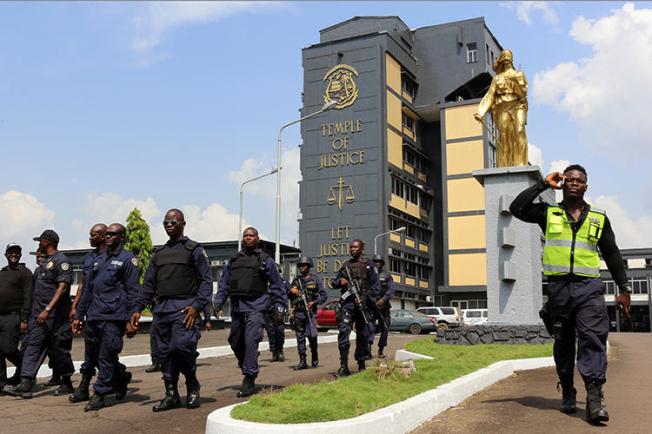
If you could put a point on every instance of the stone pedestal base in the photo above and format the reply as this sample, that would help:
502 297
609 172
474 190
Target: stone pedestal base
494 334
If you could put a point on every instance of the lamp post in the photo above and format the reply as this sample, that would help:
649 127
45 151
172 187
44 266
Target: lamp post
239 237
401 229
279 146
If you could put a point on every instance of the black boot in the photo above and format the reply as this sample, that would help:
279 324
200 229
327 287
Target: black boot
24 389
595 413
55 380
121 385
248 387
65 388
568 398
302 363
361 365
314 358
381 352
344 369
81 394
14 380
96 402
154 367
171 399
192 389
275 357
281 356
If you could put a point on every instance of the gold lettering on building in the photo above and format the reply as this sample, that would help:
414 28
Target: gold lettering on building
340 232
341 159
340 193
344 127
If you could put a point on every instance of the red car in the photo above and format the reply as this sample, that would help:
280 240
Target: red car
326 315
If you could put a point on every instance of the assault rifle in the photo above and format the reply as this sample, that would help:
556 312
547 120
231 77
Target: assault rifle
312 327
354 287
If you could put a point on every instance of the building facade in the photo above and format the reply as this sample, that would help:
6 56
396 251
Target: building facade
397 151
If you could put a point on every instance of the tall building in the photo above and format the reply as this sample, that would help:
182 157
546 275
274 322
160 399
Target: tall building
397 151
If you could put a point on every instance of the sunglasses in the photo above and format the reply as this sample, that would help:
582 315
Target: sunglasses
170 222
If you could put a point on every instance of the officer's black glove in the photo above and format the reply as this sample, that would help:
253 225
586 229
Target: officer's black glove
279 315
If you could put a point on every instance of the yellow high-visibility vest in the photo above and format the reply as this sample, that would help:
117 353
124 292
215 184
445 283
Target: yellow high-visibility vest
566 252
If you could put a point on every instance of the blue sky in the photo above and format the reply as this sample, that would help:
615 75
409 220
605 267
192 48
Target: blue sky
105 106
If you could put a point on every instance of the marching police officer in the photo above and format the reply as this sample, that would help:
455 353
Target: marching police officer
97 238
252 280
48 323
179 276
386 284
353 312
16 282
110 295
305 321
574 231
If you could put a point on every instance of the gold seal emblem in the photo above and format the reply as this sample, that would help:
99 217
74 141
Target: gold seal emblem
340 86
65 266
134 261
49 265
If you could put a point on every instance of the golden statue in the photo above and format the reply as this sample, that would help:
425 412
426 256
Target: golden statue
507 99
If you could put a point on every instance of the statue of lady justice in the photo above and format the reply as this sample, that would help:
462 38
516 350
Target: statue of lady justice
507 100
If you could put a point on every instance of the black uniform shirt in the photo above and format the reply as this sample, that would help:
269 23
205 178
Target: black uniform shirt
16 285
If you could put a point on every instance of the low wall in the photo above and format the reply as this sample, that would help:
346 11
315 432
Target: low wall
495 334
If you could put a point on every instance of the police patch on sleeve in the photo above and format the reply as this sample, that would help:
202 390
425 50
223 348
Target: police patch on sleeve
65 266
134 261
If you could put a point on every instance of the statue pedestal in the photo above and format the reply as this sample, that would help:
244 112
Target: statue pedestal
514 248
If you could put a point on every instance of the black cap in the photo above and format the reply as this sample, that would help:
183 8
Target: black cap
11 246
378 258
48 235
305 260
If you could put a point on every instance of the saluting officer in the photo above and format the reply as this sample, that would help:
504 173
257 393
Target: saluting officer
179 277
352 313
305 321
252 280
48 324
574 231
110 295
16 282
386 284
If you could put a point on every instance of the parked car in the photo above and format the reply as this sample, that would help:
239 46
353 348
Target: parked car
326 315
446 316
475 316
404 320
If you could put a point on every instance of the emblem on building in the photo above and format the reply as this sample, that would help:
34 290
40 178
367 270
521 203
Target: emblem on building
340 86
340 193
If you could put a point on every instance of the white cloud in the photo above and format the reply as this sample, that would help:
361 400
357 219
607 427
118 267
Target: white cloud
535 155
630 232
214 223
265 189
24 218
526 9
112 208
608 93
156 19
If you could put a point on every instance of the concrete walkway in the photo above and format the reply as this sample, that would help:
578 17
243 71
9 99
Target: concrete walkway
529 402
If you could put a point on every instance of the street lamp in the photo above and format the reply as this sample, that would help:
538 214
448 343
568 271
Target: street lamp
239 237
401 229
279 145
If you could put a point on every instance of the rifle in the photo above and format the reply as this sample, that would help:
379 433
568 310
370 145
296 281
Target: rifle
355 290
312 329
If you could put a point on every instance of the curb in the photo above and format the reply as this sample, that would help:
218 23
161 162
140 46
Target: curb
204 353
397 418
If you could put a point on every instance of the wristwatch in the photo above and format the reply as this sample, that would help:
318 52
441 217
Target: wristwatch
48 309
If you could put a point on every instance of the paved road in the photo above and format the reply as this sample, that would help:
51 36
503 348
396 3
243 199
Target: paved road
528 402
220 380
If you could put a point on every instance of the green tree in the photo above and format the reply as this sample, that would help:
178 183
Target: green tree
138 240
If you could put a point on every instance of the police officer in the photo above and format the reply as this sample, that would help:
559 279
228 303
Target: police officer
109 297
574 231
386 284
48 324
276 331
352 313
252 280
97 238
16 282
179 276
305 321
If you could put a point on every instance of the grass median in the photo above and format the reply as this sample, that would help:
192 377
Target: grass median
362 393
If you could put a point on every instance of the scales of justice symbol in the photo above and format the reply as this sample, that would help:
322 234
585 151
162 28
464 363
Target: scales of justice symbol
341 193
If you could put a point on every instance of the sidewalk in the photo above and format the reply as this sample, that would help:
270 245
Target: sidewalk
529 402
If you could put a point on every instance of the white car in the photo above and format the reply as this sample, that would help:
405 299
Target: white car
474 317
446 316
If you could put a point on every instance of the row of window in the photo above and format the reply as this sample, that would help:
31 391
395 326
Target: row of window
406 263
639 286
469 304
413 231
414 160
411 193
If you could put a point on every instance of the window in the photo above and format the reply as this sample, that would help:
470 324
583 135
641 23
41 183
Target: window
410 269
413 195
408 122
611 287
397 187
471 52
394 265
639 286
408 156
486 46
409 87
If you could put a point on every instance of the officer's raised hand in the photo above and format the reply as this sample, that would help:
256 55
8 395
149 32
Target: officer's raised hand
554 180
191 316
